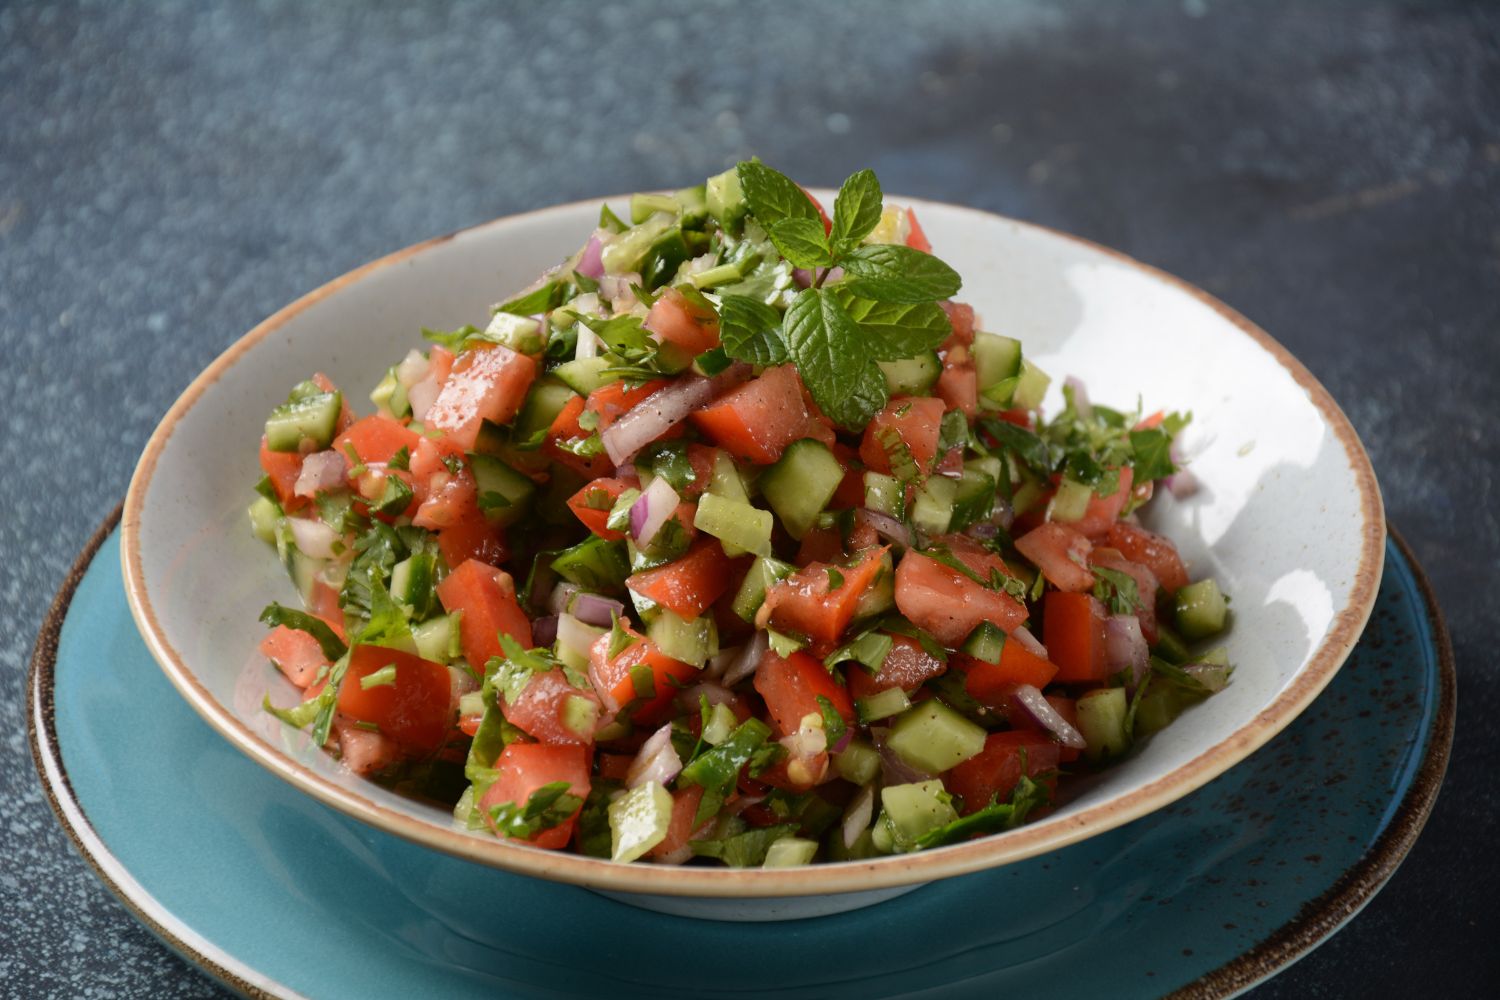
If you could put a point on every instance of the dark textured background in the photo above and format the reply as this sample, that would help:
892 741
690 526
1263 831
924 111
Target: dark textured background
170 174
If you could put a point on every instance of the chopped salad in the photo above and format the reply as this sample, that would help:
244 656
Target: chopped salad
734 537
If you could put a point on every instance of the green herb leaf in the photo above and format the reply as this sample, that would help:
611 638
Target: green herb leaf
856 210
278 614
395 497
743 850
893 273
547 807
834 726
1028 447
831 354
401 460
750 330
895 330
1117 590
510 674
455 340
802 242
541 299
869 650
993 818
717 770
1152 454
619 639
772 195
384 677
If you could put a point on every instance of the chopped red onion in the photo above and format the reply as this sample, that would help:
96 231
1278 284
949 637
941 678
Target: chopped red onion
983 530
313 537
1023 635
1182 484
844 740
807 741
322 471
588 344
657 760
627 471
720 662
717 694
858 815
889 528
544 630
1037 706
461 681
1213 676
562 595
591 262
894 770
652 510
1125 646
654 416
1080 396
596 609
751 653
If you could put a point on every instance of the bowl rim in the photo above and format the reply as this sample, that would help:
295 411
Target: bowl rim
832 877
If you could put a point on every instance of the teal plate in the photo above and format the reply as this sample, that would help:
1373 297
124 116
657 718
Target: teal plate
277 895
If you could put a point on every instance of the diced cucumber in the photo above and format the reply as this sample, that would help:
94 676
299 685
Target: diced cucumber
885 494
723 274
1217 656
721 722
574 638
880 596
985 643
933 509
301 567
645 205
996 359
638 821
264 513
974 500
1031 386
790 852
412 583
594 564
390 396
692 206
580 715
1027 496
912 376
309 415
545 401
584 375
1158 708
909 811
437 639
1070 502
725 480
659 266
521 334
988 465
1101 720
504 494
1169 645
881 705
764 573
693 641
858 762
726 202
626 251
801 483
739 526
932 737
1201 609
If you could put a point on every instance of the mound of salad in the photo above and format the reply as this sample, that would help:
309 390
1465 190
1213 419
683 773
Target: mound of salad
733 537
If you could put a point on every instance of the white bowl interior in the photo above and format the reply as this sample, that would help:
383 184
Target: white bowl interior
1278 519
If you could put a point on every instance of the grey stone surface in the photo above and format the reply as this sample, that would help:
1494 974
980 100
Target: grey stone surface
171 173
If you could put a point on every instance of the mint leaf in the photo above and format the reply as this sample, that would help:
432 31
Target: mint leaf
895 330
623 335
750 331
830 350
1153 454
279 614
538 300
802 241
892 273
772 195
856 210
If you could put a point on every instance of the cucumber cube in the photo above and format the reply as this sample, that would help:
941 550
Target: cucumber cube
693 641
1201 609
1101 720
638 821
858 762
504 493
740 527
933 737
764 574
801 483
933 509
790 852
909 811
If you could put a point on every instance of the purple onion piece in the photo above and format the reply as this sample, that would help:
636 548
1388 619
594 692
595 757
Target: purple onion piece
1080 396
859 814
562 595
544 630
652 510
657 760
889 528
1125 646
591 262
595 609
1023 635
751 653
1037 706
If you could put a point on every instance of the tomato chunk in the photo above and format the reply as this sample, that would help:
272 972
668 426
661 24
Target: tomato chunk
991 683
566 434
906 666
949 604
1145 585
1155 552
680 830
415 710
525 767
819 604
1074 634
915 422
1104 511
1062 555
690 584
992 774
756 421
487 598
283 468
377 439
295 653
791 688
543 710
593 502
639 673
488 382
677 321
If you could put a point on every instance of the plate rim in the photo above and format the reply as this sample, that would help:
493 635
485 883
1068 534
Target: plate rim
848 876
1318 920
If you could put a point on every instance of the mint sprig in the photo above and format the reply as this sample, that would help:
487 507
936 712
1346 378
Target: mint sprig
884 309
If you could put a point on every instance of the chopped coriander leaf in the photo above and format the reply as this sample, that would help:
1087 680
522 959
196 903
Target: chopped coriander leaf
834 726
1117 590
744 850
547 807
401 460
869 650
1028 796
835 579
279 614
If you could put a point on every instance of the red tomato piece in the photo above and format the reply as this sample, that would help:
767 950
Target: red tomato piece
958 387
542 709
689 584
915 237
1145 584
961 318
1155 552
993 773
808 601
677 321
1104 511
949 604
488 382
681 827
295 653
525 767
283 468
1062 555
363 751
906 666
415 711
566 430
791 688
992 683
1073 632
756 421
614 678
593 502
471 536
448 498
487 598
916 420
377 439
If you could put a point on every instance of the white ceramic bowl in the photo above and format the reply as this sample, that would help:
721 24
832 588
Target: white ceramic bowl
1288 519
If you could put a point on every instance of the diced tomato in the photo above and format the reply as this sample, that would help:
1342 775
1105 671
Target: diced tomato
592 505
756 421
680 830
993 773
1145 584
525 767
363 751
948 603
916 420
906 666
615 678
488 382
430 456
809 602
1155 552
915 238
469 724
958 387
325 604
346 414
542 709
992 683
1062 555
1104 511
487 598
448 498
283 468
676 320
295 653
566 430
825 545
961 318
1073 632
472 536
377 439
415 711
689 584
613 765
616 399
439 363
791 688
